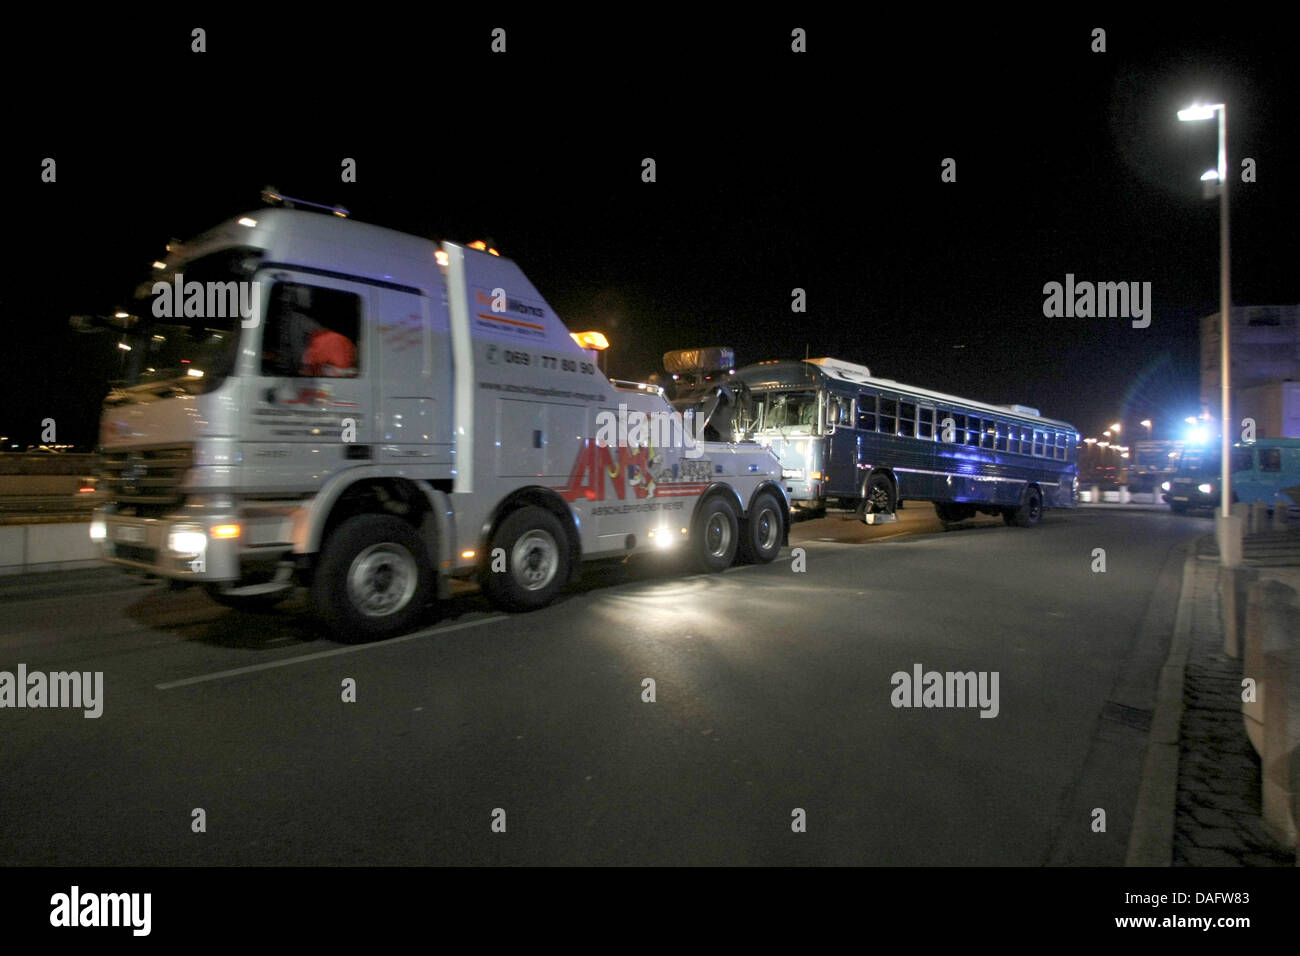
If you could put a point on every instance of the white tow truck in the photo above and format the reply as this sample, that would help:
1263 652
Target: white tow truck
312 400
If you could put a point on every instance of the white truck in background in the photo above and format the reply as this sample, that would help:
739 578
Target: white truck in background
382 414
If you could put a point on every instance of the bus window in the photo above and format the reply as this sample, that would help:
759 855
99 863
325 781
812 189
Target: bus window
990 430
958 435
1270 459
973 427
1060 446
1013 438
1001 442
888 415
925 424
907 420
867 412
1038 442
839 409
1243 459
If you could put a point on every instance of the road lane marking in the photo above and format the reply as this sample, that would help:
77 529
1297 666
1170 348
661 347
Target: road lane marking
302 658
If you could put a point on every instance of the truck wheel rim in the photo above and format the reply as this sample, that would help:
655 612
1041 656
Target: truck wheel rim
382 579
534 559
767 529
717 535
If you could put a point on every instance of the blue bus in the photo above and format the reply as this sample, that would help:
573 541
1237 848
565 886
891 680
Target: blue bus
850 440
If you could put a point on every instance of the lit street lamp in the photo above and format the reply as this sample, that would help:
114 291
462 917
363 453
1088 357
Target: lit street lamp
1230 532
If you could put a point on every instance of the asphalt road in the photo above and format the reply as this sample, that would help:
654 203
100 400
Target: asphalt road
773 693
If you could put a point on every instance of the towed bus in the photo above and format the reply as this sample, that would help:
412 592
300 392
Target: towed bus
848 439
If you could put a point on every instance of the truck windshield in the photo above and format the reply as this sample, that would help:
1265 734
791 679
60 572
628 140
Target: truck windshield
197 350
787 411
1196 461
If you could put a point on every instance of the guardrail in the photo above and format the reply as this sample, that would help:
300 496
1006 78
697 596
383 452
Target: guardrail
48 546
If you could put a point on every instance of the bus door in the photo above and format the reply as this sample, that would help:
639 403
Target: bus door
841 444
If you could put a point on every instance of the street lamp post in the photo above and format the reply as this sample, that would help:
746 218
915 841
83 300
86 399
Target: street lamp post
1230 531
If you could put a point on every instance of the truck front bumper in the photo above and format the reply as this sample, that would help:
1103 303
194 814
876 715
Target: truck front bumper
192 547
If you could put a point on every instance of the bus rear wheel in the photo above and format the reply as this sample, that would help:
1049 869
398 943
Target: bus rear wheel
1030 510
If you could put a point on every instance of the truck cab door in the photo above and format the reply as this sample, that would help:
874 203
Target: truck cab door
413 356
310 397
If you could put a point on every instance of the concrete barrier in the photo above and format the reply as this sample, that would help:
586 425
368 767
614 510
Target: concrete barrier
1280 516
1272 719
1258 517
1261 601
1280 759
46 547
1234 586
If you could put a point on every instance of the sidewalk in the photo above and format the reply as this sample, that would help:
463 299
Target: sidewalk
1217 809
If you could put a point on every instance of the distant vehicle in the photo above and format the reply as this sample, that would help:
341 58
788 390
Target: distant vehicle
1266 470
1194 485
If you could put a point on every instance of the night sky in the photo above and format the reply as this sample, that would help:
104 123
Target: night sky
775 171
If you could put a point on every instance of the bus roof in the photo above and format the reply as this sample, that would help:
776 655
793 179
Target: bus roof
786 373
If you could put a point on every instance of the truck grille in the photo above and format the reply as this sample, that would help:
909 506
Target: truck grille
147 478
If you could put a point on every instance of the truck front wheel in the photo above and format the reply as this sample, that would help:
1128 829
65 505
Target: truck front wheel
537 561
373 580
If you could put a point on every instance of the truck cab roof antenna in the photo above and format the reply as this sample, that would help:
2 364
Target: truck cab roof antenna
271 196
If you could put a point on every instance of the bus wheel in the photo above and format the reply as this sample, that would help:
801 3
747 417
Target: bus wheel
537 561
760 542
1030 510
715 537
374 578
877 496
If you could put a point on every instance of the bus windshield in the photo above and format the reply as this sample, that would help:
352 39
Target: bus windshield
787 411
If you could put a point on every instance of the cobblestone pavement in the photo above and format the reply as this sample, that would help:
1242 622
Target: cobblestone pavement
1217 818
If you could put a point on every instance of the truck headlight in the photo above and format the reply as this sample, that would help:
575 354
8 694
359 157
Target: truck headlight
1164 486
1205 489
98 530
187 540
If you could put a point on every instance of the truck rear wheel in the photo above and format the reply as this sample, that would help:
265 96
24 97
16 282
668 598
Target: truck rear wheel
760 541
374 578
715 537
537 561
